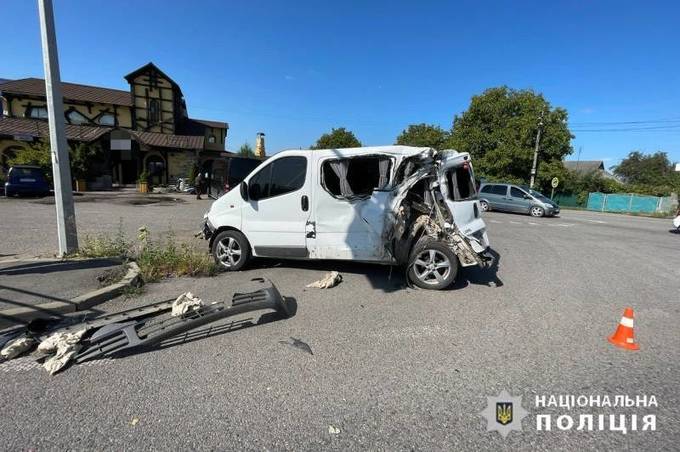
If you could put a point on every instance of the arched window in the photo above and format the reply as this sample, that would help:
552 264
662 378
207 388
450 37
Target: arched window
106 119
75 117
154 111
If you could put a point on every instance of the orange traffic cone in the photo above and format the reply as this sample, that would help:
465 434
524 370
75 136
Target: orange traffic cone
624 336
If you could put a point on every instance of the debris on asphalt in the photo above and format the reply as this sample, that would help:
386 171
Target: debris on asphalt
185 303
297 343
134 421
333 430
331 279
17 347
66 346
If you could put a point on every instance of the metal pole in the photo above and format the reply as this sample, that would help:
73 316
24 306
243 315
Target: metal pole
61 168
538 140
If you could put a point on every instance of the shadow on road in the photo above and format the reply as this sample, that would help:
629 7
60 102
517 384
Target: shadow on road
382 277
57 266
484 276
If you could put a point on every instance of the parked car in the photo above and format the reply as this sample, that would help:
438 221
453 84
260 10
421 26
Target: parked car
394 205
516 198
26 180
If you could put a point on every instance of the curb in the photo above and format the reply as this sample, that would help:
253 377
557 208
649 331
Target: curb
16 316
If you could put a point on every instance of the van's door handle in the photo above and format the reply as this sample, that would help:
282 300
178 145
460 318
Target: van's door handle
304 203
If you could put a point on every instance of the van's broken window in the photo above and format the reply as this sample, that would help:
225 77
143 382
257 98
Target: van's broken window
356 177
461 183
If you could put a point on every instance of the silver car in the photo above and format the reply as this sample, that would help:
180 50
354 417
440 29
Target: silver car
516 198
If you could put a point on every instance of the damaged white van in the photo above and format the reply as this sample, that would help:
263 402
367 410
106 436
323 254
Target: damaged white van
395 205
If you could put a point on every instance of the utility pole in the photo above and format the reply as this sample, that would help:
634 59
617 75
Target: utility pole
538 140
578 159
61 168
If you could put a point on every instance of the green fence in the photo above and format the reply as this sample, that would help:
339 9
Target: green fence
628 203
565 200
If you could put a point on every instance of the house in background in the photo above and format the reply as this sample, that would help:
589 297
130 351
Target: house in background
583 167
146 128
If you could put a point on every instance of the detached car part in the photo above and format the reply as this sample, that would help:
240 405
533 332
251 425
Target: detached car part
132 333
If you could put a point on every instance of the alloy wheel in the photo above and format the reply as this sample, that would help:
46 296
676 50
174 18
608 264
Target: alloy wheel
229 252
432 267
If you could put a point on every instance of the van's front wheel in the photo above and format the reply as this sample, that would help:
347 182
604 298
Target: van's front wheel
231 250
433 265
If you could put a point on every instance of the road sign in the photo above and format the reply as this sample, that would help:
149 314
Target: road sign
554 182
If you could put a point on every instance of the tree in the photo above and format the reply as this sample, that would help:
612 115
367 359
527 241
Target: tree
638 168
337 139
246 151
424 135
82 157
499 131
38 154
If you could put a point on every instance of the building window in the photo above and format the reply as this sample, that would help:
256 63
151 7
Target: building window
154 111
37 112
211 139
75 117
107 119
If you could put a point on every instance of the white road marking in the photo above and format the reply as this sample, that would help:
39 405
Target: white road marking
515 222
533 224
597 221
495 221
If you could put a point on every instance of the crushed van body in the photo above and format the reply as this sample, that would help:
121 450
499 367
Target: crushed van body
383 204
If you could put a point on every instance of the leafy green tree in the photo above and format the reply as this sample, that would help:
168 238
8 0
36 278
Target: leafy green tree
645 169
499 131
424 135
246 151
82 156
337 139
38 154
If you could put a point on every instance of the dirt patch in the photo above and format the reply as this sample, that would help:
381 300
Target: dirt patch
134 200
146 200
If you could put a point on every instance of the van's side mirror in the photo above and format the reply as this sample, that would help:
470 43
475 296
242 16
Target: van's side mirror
244 190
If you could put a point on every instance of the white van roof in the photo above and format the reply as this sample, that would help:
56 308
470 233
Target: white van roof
397 151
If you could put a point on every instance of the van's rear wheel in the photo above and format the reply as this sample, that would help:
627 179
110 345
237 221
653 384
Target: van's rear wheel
433 265
484 205
231 250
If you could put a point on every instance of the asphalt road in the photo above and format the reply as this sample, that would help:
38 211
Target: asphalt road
28 226
393 368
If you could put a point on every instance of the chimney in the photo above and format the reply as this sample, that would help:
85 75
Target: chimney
259 146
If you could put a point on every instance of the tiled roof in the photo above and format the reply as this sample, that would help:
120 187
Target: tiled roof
40 129
584 166
216 124
71 91
168 141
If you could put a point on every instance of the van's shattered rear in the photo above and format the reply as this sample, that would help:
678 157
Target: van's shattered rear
435 194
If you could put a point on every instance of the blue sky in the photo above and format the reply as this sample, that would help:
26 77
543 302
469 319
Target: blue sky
295 69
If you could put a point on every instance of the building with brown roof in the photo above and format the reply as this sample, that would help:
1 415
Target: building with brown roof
146 128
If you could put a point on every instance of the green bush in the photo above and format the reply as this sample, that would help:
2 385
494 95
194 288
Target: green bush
156 259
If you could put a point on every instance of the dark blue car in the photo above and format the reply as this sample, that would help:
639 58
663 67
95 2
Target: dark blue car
26 180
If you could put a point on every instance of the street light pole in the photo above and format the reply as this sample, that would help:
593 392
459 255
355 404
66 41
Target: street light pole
61 168
538 140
